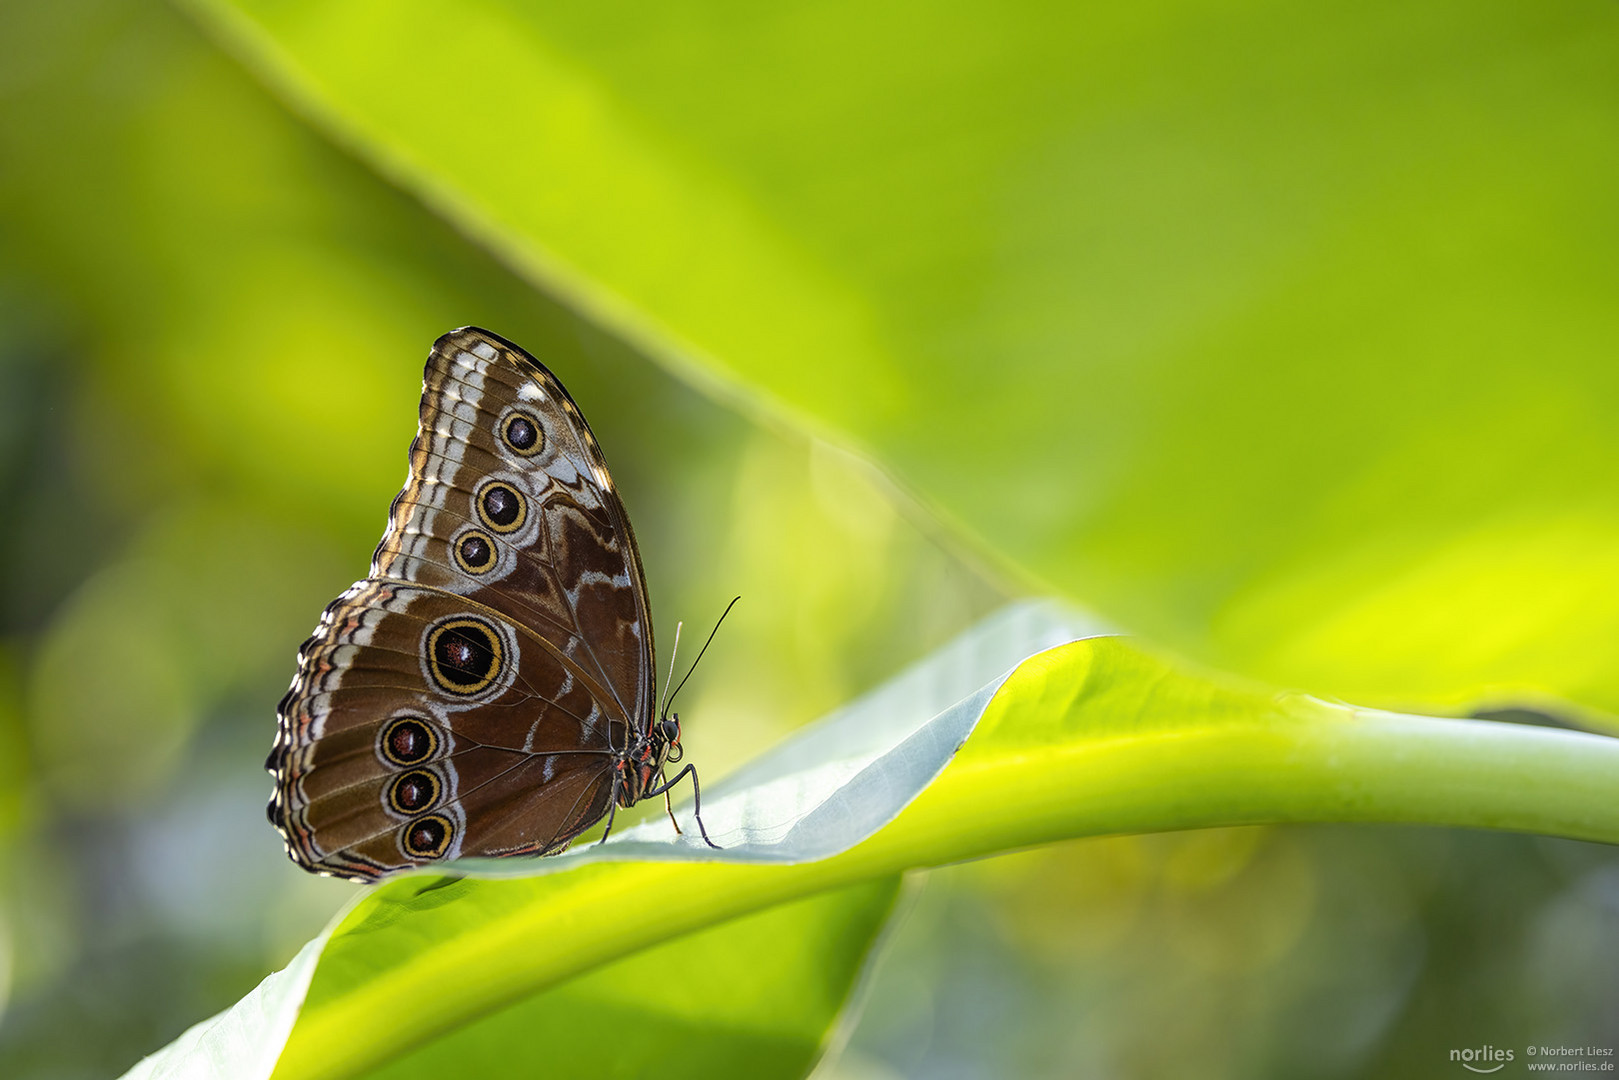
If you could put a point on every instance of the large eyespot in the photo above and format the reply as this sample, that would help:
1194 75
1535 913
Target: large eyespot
474 551
502 507
414 792
522 432
407 740
426 837
463 655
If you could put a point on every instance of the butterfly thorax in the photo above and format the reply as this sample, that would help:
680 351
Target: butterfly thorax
640 770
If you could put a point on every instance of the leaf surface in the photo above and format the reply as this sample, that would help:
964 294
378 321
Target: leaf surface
1282 335
1092 737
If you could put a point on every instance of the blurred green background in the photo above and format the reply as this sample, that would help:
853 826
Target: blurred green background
1283 336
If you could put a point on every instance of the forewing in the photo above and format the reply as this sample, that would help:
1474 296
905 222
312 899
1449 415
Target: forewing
509 502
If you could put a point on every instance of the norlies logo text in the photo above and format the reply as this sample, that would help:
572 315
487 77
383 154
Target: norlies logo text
1489 1056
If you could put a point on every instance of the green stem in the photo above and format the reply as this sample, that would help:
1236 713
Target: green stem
1365 766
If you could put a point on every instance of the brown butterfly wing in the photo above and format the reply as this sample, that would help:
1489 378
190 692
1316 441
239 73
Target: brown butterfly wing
500 437
468 698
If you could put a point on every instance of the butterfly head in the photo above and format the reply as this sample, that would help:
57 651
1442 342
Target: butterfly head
668 732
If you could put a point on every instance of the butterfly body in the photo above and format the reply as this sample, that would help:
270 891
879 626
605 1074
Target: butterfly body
488 689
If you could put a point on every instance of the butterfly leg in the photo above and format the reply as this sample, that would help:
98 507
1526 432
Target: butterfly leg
696 799
669 809
612 812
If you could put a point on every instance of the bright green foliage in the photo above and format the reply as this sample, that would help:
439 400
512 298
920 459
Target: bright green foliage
1280 333
1093 738
753 997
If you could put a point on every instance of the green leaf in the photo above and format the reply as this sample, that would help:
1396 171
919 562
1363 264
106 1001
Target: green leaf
757 996
708 994
705 992
821 792
1092 737
1282 334
1047 304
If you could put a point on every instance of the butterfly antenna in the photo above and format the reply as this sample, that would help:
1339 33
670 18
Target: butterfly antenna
670 681
700 652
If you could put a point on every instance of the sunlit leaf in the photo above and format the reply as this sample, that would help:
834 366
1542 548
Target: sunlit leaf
818 794
1280 333
1092 737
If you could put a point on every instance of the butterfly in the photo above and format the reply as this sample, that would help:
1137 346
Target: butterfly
489 688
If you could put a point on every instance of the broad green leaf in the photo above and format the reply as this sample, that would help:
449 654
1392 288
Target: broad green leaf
1280 333
244 311
705 1005
705 993
1093 737
821 792
829 786
202 245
